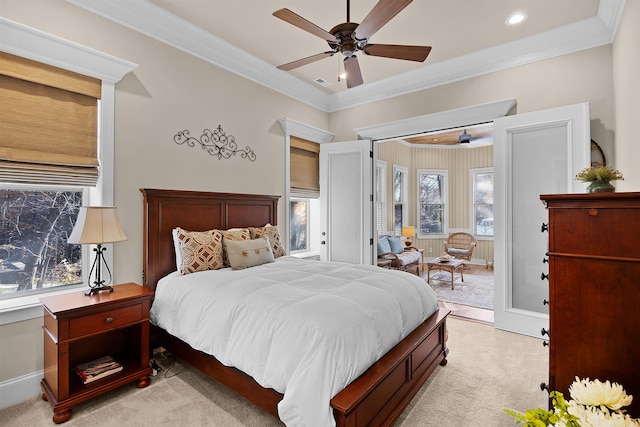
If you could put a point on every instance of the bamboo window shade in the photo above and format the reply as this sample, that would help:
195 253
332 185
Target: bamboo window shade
304 170
48 124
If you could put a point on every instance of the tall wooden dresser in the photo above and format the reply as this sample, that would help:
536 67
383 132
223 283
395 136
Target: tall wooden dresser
594 290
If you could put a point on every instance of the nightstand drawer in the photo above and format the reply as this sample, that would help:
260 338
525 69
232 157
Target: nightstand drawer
104 321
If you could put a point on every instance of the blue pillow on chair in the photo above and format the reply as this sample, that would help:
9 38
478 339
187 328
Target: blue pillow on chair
396 245
383 245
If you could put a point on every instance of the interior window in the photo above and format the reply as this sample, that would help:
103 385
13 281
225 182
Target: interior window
482 186
35 225
299 225
432 189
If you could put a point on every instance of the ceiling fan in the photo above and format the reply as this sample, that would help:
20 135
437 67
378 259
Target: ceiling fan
350 37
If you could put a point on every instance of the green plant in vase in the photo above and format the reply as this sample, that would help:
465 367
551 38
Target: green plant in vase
600 178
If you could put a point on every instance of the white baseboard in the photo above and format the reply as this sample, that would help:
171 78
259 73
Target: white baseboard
20 388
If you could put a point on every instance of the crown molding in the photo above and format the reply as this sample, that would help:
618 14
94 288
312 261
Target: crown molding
27 42
153 21
304 131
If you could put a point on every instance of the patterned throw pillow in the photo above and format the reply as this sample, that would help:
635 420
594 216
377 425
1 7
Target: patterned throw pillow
199 250
233 234
248 253
272 232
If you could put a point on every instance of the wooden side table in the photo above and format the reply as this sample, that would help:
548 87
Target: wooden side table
79 328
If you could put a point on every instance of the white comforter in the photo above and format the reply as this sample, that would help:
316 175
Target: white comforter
304 328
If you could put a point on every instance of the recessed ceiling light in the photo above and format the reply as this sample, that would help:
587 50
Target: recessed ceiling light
516 18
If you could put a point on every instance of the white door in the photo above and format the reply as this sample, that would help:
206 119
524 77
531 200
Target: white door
534 153
346 191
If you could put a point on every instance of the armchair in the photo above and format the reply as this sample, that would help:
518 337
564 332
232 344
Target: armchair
460 245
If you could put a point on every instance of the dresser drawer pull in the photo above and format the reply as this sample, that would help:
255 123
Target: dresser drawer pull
544 227
545 302
545 260
593 212
544 276
544 387
108 320
544 332
545 343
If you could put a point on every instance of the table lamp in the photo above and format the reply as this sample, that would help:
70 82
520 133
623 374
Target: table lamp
408 232
97 225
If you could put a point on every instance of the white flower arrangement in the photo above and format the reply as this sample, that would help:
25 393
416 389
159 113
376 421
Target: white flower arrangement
593 404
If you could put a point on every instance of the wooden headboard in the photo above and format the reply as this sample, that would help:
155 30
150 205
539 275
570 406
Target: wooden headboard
165 210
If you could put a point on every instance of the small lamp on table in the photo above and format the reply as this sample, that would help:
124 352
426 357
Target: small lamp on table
408 232
97 225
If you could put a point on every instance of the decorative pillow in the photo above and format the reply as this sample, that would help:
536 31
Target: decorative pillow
199 250
383 245
272 232
233 234
248 253
396 245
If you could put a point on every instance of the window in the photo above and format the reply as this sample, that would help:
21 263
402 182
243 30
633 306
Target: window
400 193
381 197
482 204
299 225
432 208
35 225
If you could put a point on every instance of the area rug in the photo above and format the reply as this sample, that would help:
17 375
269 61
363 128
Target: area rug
476 291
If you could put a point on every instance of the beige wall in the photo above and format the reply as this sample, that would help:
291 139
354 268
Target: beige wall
170 91
626 63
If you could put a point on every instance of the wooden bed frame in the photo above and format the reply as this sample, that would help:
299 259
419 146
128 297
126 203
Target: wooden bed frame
376 398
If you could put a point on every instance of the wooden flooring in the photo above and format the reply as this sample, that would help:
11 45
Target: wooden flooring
476 314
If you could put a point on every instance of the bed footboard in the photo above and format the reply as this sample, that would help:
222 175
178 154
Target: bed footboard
378 397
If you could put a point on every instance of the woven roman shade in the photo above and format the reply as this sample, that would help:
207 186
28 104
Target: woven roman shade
304 170
48 124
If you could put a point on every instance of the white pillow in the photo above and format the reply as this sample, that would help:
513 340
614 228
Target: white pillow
248 253
176 247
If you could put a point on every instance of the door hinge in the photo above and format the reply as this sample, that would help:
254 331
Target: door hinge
371 154
371 197
371 241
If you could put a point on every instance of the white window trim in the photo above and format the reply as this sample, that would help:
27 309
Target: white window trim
445 201
405 192
39 46
382 166
472 186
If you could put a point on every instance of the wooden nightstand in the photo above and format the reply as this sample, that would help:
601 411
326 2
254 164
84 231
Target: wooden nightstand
79 328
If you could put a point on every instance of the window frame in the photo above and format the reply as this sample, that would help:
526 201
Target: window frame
404 196
306 201
445 205
56 51
472 176
381 196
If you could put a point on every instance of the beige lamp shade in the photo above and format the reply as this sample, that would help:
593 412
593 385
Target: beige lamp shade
97 225
408 231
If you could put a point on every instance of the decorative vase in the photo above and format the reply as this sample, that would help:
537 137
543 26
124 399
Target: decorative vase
601 187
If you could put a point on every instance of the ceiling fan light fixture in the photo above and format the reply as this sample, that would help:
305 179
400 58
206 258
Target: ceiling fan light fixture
464 138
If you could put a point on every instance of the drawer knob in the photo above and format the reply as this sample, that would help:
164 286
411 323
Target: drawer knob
544 387
108 320
544 332
545 260
544 227
593 212
545 302
545 343
544 276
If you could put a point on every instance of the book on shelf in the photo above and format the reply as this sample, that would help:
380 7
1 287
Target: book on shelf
96 369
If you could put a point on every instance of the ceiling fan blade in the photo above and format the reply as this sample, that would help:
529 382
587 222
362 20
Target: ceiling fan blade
381 13
352 68
408 53
304 61
297 20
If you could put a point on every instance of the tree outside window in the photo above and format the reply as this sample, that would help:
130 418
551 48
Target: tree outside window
299 225
483 202
34 253
431 202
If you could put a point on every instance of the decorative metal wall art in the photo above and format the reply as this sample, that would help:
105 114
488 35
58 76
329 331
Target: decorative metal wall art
216 143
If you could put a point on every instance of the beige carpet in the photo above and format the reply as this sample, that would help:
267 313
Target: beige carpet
488 370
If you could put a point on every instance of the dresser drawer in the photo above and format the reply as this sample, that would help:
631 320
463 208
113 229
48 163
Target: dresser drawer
595 231
104 320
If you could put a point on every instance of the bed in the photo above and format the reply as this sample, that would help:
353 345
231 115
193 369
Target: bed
377 397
